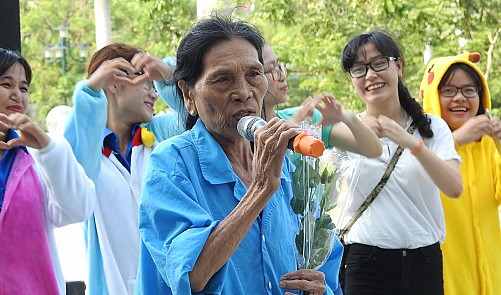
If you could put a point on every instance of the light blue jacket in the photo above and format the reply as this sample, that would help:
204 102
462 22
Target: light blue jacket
111 234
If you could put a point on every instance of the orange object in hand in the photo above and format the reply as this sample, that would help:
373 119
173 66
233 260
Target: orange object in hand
308 146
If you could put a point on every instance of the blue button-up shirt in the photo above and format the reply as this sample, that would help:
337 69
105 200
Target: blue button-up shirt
189 188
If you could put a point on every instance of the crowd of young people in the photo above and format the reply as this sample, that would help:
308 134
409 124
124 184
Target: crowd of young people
180 203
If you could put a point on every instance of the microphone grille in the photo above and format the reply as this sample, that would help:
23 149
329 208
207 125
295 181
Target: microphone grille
247 125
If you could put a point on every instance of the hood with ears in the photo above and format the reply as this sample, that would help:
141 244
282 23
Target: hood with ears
434 72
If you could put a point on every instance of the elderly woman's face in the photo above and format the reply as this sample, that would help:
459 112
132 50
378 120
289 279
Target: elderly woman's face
231 86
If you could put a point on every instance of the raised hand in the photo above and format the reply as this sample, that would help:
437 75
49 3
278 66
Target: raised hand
270 144
305 112
496 126
112 72
373 124
29 133
474 128
152 67
393 131
331 109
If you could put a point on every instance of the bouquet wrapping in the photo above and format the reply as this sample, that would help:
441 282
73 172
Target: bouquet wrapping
311 203
347 167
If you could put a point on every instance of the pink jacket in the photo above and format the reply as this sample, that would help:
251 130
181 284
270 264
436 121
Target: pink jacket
25 260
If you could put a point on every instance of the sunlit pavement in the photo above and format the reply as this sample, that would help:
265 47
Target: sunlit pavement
71 248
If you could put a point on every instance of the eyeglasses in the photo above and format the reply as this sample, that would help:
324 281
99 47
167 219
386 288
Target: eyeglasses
377 65
451 91
278 72
148 85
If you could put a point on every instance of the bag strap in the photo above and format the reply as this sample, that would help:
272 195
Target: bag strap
372 196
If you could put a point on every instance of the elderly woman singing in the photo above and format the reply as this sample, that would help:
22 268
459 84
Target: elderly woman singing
215 214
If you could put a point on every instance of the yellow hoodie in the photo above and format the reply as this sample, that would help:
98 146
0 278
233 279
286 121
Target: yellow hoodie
472 247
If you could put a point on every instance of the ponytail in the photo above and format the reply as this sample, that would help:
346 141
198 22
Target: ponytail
414 109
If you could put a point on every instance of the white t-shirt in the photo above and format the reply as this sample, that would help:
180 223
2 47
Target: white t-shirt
407 213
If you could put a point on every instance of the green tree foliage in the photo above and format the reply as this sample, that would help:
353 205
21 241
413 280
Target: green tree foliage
38 21
168 22
308 35
155 26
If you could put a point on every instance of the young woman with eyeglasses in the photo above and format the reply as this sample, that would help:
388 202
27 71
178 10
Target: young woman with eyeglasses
352 135
454 88
393 248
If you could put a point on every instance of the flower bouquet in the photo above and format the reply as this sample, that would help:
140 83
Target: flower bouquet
311 202
347 167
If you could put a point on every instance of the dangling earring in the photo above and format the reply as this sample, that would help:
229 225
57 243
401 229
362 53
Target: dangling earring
191 111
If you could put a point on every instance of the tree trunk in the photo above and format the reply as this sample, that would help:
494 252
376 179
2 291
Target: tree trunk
102 13
492 44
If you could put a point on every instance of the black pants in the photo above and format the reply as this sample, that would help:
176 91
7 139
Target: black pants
372 270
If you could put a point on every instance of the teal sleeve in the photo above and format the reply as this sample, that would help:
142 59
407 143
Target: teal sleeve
286 114
326 135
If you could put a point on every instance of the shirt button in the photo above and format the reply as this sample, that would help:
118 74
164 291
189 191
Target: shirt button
269 285
264 240
404 253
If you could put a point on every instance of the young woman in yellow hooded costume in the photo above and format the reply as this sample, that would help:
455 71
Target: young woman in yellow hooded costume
454 88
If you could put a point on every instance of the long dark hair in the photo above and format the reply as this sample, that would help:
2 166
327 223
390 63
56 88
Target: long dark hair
388 47
8 58
204 35
473 75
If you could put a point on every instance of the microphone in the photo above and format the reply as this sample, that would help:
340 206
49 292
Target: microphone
303 143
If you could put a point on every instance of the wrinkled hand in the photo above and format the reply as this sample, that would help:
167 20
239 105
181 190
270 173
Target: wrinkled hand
116 71
308 280
474 128
29 133
270 144
153 68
